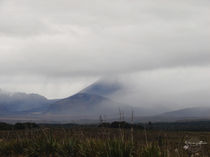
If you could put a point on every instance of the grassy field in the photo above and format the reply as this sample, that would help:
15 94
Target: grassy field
100 142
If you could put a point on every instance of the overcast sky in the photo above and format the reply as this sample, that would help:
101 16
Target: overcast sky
158 48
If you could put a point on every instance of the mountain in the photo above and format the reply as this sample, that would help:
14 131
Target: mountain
84 104
189 112
103 88
21 102
89 103
93 101
77 102
186 114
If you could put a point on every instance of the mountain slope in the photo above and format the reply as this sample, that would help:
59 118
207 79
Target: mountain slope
83 104
189 112
103 88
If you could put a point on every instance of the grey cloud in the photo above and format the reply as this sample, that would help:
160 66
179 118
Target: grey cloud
92 39
167 89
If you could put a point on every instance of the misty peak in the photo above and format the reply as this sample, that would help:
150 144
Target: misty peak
103 87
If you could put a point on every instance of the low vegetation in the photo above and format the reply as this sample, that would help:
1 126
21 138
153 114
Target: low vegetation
93 141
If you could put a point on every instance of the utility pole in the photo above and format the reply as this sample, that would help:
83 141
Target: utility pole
101 119
120 114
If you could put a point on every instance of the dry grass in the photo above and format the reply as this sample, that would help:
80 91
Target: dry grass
97 142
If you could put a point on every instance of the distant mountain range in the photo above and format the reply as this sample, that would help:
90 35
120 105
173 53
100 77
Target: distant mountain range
89 103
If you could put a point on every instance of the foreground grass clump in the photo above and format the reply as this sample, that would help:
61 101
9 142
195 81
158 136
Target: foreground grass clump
95 142
42 147
13 147
151 151
106 148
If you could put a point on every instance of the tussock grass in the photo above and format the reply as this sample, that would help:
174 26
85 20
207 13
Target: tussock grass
94 143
